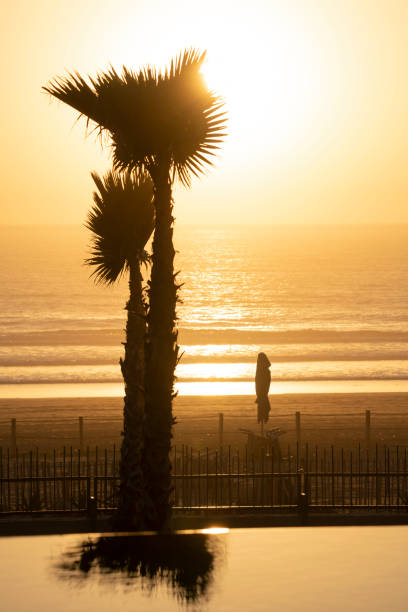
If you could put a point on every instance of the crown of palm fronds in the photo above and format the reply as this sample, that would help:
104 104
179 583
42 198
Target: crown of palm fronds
151 116
121 222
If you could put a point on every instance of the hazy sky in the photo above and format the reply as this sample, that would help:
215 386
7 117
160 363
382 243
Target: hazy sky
317 93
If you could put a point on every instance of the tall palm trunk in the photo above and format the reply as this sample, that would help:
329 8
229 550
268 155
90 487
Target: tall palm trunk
133 500
161 353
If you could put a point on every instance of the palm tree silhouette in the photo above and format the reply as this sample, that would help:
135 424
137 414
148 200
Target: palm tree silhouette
169 124
121 222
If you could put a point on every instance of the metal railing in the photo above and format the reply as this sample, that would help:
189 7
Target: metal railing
327 478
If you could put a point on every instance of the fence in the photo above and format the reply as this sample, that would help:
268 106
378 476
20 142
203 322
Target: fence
326 477
344 429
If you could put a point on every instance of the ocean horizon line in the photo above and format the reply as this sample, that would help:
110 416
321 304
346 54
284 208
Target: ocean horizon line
199 389
233 225
223 335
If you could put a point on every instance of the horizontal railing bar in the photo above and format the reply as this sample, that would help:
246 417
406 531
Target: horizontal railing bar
349 506
237 507
224 475
66 478
201 507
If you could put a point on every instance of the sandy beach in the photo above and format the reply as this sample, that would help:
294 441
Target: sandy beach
326 419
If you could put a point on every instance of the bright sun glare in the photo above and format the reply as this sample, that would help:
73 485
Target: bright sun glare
215 530
274 90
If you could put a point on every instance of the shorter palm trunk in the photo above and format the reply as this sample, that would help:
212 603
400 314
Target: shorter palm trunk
132 499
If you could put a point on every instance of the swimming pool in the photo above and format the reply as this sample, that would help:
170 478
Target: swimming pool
285 569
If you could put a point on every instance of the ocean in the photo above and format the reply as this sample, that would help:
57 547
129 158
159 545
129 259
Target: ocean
328 305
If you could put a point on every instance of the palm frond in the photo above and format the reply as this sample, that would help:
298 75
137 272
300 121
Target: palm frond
151 115
76 92
121 221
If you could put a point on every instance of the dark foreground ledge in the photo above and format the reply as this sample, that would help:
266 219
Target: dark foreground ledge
47 523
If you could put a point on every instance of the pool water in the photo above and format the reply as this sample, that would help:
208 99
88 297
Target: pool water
291 568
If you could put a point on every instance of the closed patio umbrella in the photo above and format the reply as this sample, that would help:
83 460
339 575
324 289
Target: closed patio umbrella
262 384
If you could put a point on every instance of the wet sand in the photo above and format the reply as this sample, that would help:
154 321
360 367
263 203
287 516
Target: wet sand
326 419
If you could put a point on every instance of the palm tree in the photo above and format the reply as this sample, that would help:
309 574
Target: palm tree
121 222
169 124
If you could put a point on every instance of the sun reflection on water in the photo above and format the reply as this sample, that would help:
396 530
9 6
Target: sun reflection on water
214 371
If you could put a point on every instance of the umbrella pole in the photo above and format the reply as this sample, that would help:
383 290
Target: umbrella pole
262 427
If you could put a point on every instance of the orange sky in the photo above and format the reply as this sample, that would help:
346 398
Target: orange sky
317 92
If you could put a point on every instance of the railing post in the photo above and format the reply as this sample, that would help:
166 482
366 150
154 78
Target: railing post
367 427
220 430
302 496
92 510
298 429
81 432
13 434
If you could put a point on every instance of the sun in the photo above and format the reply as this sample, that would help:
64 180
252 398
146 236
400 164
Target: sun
270 92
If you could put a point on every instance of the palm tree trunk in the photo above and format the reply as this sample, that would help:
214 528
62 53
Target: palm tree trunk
161 353
132 499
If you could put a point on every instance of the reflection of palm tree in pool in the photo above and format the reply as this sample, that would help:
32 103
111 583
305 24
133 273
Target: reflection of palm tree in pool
182 561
